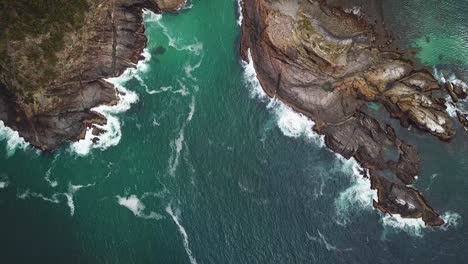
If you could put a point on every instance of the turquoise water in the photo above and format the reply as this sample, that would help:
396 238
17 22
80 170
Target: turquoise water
208 170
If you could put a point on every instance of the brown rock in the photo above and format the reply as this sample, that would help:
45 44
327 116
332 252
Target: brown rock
110 40
300 47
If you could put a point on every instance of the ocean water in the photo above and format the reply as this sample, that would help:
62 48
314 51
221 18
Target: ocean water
199 166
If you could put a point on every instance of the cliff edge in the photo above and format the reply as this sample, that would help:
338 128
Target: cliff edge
55 57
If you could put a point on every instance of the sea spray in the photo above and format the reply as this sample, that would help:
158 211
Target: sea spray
12 138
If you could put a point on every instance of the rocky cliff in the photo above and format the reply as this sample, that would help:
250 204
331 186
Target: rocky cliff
56 57
328 63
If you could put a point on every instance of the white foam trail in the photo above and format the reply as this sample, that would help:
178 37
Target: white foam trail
12 138
161 90
174 162
183 233
137 207
322 240
191 68
194 48
52 183
241 15
177 144
72 189
27 193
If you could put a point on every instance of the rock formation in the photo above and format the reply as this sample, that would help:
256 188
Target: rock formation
324 62
47 96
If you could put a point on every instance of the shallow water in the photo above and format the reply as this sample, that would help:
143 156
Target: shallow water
209 170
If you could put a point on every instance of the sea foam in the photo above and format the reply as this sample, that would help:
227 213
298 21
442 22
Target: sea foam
12 138
177 144
452 108
136 206
195 48
291 123
182 231
241 15
113 134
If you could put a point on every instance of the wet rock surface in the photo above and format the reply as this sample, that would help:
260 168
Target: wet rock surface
58 110
326 62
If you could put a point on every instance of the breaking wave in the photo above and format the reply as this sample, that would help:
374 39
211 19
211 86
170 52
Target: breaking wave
358 196
112 129
12 138
241 15
416 227
291 123
183 233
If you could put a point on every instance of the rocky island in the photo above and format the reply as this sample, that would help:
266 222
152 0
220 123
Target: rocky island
328 62
55 57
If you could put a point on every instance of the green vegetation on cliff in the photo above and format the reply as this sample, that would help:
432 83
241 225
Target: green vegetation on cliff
31 34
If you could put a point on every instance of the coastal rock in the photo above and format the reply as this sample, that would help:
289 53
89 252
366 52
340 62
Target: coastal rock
396 198
325 63
53 104
170 5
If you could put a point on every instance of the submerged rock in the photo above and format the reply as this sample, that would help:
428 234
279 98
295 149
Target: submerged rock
327 64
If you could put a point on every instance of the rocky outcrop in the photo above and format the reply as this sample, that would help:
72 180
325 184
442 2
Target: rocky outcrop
49 100
325 63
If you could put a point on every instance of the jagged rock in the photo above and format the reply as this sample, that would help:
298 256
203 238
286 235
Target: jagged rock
463 118
396 198
451 92
325 63
459 91
97 131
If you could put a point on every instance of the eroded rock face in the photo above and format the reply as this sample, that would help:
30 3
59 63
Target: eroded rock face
324 62
55 110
